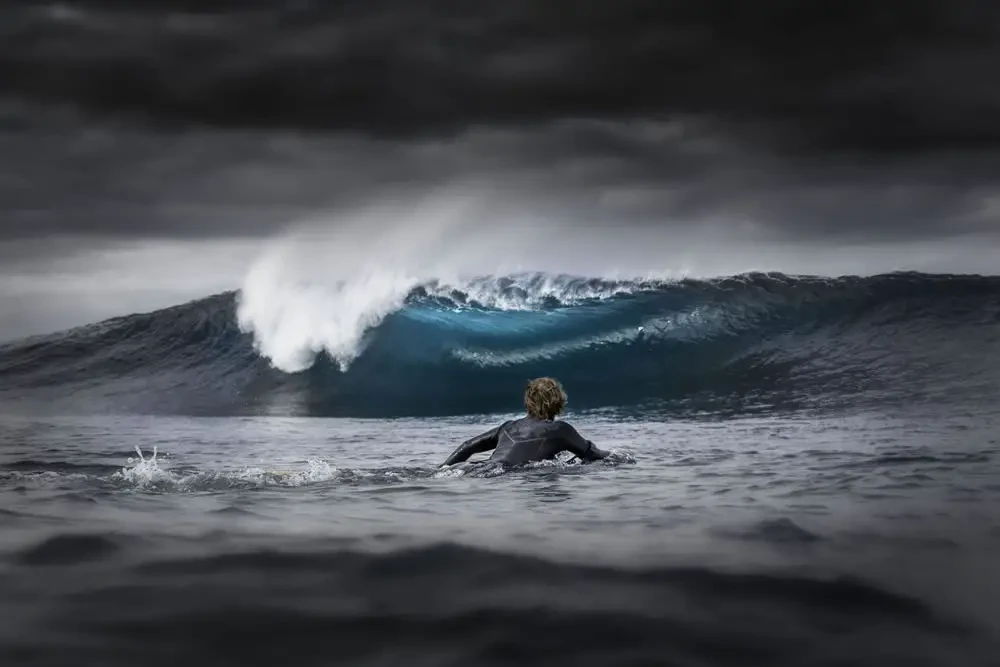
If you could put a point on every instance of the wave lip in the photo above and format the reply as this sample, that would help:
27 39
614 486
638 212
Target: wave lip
392 347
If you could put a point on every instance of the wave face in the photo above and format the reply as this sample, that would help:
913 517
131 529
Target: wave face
748 343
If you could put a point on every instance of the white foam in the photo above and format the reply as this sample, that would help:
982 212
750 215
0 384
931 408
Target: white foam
292 321
678 326
314 291
145 473
530 291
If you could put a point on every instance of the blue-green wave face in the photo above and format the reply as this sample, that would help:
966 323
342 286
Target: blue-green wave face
747 343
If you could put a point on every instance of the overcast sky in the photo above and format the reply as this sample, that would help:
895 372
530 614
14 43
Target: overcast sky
149 151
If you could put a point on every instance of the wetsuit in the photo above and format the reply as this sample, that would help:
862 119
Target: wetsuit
527 439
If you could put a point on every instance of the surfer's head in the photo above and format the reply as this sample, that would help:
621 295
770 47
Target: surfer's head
544 398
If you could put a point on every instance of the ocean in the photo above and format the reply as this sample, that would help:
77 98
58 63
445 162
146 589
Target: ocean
804 471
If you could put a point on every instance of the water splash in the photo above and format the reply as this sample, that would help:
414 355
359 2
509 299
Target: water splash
143 473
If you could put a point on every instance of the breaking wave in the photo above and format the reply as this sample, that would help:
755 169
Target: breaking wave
392 348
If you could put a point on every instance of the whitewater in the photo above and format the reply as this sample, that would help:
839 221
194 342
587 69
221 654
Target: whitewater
804 468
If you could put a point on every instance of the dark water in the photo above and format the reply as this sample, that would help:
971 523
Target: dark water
805 472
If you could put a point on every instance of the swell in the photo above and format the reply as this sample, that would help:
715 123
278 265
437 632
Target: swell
489 607
736 344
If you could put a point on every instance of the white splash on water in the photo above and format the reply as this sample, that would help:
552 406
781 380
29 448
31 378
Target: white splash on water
144 473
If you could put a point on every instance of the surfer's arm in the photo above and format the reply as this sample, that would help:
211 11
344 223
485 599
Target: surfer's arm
583 449
481 443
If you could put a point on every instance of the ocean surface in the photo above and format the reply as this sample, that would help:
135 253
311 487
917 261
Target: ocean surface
805 471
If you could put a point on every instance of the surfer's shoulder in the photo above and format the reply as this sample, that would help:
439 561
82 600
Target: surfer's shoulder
564 426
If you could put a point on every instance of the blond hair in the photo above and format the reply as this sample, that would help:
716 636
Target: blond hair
544 398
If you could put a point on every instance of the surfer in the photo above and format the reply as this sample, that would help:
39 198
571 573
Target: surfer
535 437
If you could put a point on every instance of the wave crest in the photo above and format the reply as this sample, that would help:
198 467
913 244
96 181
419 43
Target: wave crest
293 322
386 344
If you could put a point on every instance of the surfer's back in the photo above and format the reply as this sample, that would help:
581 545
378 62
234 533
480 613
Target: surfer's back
536 437
532 439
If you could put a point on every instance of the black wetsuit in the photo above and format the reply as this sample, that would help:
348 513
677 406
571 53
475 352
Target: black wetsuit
528 439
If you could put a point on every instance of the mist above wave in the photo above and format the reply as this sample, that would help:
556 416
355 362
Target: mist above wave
322 288
293 324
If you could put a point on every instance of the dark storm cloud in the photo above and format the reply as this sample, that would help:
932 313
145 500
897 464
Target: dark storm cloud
108 183
854 75
149 150
829 122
